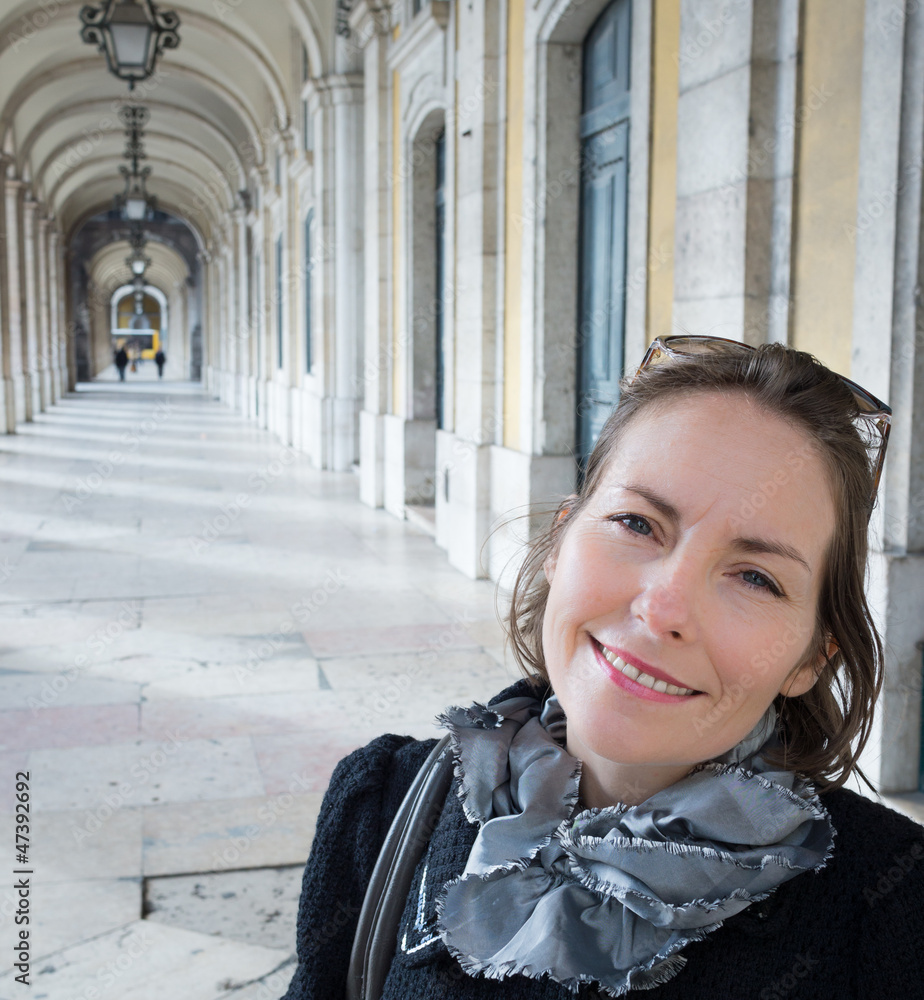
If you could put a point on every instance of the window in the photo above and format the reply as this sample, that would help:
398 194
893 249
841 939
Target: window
278 170
305 67
309 267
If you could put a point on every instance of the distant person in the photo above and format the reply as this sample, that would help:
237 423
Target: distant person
160 359
121 360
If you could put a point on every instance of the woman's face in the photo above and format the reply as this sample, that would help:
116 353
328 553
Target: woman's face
666 563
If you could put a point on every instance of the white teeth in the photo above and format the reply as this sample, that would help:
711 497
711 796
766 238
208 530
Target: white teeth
633 673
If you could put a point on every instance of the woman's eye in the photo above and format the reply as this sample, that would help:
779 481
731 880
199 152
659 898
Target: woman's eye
767 585
626 519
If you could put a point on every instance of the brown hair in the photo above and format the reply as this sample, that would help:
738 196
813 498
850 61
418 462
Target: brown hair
824 730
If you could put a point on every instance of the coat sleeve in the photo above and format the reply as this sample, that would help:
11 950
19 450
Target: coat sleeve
364 794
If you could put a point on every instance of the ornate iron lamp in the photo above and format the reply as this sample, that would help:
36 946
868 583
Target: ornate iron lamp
137 261
134 203
132 34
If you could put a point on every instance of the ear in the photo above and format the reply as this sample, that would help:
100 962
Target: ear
805 677
549 565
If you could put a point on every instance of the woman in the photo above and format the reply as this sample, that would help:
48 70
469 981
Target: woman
641 811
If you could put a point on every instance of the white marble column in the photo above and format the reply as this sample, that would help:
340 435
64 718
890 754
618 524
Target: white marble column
58 358
16 295
241 331
7 392
340 203
370 26
44 314
31 305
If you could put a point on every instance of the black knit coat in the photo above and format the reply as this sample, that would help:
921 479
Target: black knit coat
853 930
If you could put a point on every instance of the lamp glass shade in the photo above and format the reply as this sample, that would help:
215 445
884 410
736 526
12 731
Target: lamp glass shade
138 267
131 36
135 209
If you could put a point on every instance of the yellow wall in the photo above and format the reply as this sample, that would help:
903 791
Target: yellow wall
124 312
513 211
827 163
663 167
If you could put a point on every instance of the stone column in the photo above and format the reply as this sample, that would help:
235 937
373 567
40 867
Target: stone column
463 492
888 358
7 391
44 312
241 331
16 296
31 347
340 213
370 26
736 124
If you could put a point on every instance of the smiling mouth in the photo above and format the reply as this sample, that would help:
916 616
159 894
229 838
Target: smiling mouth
639 676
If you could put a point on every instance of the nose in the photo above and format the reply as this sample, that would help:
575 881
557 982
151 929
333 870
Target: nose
667 596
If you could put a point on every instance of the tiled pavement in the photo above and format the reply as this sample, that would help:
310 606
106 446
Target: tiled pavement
195 625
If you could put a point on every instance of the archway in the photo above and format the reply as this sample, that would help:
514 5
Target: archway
139 323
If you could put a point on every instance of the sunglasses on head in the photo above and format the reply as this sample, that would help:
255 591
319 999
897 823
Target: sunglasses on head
876 415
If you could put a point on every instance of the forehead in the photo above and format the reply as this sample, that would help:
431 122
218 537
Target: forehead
725 458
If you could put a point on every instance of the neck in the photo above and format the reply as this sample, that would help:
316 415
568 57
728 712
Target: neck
605 783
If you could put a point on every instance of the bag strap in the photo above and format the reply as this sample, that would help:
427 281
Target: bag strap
377 931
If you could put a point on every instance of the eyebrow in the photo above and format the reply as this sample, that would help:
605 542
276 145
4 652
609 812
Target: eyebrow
754 545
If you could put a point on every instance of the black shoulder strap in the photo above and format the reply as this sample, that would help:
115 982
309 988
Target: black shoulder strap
377 930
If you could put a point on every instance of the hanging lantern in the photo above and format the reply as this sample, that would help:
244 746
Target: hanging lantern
131 33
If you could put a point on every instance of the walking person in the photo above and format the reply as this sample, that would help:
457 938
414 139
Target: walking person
160 359
121 360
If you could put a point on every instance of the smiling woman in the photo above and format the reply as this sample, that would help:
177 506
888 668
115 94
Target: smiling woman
645 808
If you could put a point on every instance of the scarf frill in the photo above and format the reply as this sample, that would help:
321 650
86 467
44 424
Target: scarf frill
610 896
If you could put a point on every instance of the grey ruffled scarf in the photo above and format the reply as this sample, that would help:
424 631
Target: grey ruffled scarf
611 895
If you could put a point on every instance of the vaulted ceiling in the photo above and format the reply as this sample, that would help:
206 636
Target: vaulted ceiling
217 103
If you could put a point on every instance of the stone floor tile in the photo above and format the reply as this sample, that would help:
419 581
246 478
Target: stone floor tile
67 913
251 676
146 960
389 638
242 715
308 756
270 830
35 692
67 726
255 905
69 846
170 766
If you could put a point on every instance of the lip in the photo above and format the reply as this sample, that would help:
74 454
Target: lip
629 685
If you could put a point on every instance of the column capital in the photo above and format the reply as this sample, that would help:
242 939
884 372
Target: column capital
369 18
339 88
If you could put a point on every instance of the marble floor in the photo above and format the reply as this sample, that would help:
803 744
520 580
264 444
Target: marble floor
195 626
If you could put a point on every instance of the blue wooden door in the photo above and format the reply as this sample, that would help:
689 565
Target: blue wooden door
604 196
